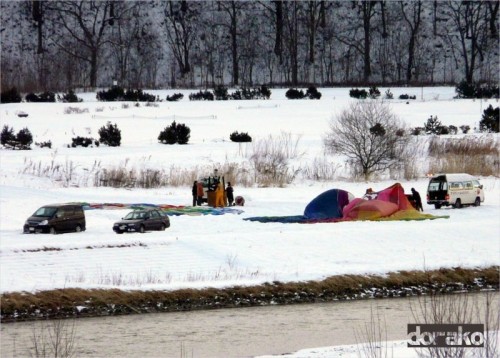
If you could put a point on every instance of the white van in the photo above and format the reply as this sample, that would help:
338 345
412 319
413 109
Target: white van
455 190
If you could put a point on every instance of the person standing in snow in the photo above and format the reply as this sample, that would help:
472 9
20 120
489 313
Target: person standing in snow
229 194
417 199
200 193
194 191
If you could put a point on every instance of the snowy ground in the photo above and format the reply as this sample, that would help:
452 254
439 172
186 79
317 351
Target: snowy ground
218 251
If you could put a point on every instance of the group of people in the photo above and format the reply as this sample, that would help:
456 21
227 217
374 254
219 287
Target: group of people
415 198
198 193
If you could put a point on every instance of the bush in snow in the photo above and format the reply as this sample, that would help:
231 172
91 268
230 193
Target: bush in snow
10 96
221 93
175 133
83 142
406 96
115 93
201 96
175 97
374 92
42 97
110 135
475 90
261 92
465 129
22 140
452 129
294 93
47 144
433 126
313 93
240 137
358 93
489 120
69 97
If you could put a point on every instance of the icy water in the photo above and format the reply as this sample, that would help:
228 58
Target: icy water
241 332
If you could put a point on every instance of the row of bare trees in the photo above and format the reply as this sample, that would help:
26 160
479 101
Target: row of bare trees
82 43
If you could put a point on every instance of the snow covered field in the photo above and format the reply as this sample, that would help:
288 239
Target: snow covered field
201 251
225 250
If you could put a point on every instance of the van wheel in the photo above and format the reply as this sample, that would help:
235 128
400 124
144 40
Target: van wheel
477 202
78 228
458 204
142 229
437 206
52 230
162 227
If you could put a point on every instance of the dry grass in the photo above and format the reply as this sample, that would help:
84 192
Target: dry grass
473 155
63 302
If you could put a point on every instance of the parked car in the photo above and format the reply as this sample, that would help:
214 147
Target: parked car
56 218
142 221
456 190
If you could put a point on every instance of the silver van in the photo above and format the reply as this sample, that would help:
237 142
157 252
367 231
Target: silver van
56 218
456 190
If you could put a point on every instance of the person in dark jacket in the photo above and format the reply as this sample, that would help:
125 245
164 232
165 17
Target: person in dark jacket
195 192
229 194
417 199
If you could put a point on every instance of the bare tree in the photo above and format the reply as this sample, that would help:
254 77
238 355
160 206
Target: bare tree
87 22
369 135
471 28
181 26
412 15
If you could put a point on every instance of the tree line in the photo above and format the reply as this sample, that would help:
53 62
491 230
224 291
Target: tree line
171 44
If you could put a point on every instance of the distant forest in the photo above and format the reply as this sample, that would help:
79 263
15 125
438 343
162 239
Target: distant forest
61 45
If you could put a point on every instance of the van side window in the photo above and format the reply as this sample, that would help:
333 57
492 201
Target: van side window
468 185
457 185
476 183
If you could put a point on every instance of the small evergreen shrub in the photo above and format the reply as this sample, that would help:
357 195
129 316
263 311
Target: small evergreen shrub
240 137
115 93
22 140
110 135
294 93
220 93
201 96
489 120
175 133
465 90
251 93
476 90
7 135
69 97
433 125
358 93
82 142
265 92
42 97
10 96
452 129
47 144
417 131
175 97
138 96
312 93
406 96
388 94
374 92
465 129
